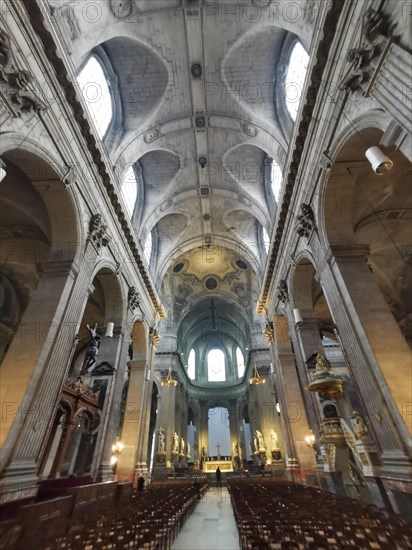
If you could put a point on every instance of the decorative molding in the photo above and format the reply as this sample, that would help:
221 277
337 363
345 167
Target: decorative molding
305 221
98 232
249 129
71 176
15 83
151 135
122 9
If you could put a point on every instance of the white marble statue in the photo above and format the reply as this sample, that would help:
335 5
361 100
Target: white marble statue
261 443
161 442
188 450
274 439
175 443
359 426
182 446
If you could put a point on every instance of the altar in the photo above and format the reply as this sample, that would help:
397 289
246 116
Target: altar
210 466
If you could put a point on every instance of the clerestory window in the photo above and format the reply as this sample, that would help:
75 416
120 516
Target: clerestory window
129 190
148 247
240 363
191 365
276 180
295 78
266 239
96 93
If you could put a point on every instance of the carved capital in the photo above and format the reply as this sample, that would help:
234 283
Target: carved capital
133 298
305 222
282 291
154 337
269 332
98 232
365 59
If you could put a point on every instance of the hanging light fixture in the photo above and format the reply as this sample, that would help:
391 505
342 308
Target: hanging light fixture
256 378
381 164
168 382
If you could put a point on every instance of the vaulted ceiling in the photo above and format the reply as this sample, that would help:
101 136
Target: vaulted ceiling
200 114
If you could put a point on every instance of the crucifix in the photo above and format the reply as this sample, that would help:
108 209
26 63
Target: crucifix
218 450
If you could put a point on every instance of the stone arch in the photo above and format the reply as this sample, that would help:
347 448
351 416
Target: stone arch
364 220
104 305
40 233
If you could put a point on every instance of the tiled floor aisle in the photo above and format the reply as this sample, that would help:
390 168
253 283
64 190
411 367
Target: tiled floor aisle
212 525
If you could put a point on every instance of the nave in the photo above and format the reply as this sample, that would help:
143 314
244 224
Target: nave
212 525
248 513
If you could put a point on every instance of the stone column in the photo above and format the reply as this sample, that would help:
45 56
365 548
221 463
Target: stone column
293 417
203 431
39 353
166 420
114 351
143 441
132 421
379 359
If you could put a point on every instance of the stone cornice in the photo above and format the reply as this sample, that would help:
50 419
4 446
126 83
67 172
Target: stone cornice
37 20
321 55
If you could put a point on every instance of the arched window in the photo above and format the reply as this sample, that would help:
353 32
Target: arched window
148 247
240 363
266 239
276 180
129 190
216 366
295 78
96 93
191 365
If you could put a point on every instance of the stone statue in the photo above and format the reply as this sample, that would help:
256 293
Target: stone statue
255 443
203 451
261 443
188 450
235 447
93 348
175 443
274 439
359 425
250 449
182 446
161 443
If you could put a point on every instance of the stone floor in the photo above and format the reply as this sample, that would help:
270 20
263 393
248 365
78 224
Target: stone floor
212 525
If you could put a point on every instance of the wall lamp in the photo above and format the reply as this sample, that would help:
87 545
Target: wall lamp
310 440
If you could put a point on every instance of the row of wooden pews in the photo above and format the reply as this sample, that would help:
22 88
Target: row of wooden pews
104 515
280 515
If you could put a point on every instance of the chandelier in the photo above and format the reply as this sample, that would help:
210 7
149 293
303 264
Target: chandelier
256 378
168 382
